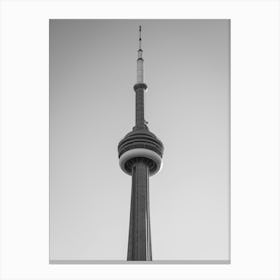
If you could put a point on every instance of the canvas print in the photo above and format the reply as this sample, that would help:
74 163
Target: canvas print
139 141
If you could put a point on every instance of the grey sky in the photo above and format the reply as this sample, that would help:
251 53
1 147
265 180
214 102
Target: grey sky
92 73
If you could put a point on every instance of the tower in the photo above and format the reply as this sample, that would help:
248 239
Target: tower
140 156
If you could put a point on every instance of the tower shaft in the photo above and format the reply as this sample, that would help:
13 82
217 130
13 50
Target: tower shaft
139 105
139 242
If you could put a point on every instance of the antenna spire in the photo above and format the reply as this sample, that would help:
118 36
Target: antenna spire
140 68
140 38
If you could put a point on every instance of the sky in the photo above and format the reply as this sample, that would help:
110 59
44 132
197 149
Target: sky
92 107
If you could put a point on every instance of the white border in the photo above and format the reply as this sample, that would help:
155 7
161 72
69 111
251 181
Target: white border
254 137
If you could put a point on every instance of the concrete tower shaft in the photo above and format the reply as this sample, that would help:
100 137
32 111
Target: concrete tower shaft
139 105
139 243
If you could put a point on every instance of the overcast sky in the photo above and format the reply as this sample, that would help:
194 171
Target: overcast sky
92 73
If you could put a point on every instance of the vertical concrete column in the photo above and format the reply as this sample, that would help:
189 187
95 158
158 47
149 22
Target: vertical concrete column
139 107
140 68
139 243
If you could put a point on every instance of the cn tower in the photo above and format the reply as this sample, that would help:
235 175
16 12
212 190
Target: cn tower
140 156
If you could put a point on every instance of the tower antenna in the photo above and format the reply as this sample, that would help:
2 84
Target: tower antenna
140 38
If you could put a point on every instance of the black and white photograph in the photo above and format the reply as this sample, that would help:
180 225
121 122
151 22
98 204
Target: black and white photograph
139 141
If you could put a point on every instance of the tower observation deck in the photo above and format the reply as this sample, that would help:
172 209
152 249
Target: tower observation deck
140 156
